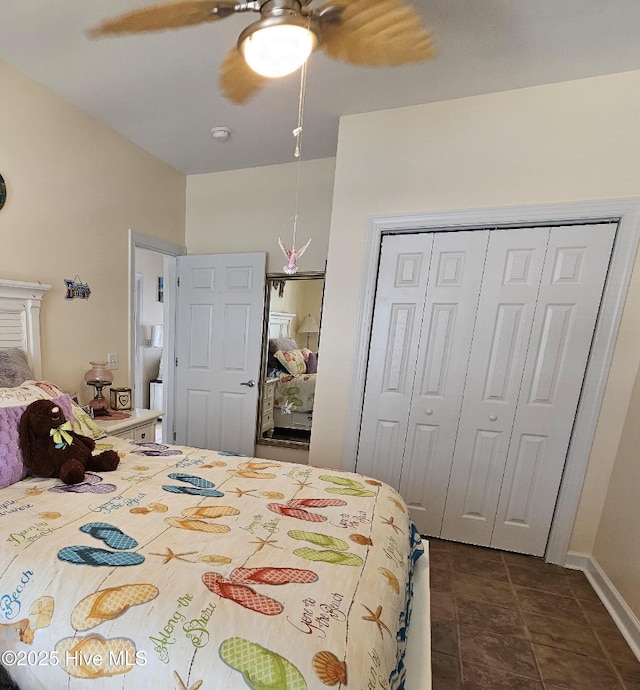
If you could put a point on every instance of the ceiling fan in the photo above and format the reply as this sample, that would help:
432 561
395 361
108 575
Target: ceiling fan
360 32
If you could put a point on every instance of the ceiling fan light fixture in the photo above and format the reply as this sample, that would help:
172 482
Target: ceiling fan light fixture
278 46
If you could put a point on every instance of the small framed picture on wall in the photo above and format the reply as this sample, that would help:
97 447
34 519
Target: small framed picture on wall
161 289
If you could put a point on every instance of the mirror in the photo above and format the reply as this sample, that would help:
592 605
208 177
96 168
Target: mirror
293 309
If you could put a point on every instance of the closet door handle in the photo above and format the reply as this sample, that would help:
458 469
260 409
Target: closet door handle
249 384
429 411
493 417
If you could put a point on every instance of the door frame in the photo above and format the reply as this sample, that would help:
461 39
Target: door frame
137 340
170 250
626 212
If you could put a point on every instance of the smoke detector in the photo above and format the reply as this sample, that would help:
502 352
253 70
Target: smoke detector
220 133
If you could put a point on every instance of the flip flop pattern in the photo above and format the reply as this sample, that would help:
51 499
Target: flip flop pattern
273 576
261 668
154 450
296 508
112 536
91 484
110 603
201 487
242 594
91 555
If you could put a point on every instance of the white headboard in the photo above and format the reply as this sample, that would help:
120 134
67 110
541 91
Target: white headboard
20 319
280 324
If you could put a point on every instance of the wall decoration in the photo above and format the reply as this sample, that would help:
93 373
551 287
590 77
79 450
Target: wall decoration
3 191
76 289
161 289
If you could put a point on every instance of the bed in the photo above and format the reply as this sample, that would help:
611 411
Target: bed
193 568
293 371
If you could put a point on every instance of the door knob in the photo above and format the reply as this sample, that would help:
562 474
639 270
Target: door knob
249 384
428 411
493 417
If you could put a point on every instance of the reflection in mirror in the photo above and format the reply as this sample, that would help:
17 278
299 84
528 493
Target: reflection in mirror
293 308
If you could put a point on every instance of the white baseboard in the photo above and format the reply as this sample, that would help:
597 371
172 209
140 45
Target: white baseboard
622 615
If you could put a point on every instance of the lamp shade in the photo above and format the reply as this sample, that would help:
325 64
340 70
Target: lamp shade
157 336
309 325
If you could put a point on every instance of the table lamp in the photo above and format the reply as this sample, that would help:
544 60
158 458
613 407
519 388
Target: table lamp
99 377
309 325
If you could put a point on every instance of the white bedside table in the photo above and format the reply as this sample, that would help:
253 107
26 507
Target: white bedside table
266 421
140 426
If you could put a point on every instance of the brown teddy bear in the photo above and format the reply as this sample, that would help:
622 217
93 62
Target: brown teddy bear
51 449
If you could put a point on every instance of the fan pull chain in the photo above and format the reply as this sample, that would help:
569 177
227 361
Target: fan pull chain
297 133
295 253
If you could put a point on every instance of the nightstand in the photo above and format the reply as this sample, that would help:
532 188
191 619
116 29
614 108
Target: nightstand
140 426
266 419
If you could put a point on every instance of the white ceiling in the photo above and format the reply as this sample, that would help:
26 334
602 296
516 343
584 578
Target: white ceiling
160 90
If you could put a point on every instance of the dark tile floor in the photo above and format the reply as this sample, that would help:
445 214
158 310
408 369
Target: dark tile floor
503 621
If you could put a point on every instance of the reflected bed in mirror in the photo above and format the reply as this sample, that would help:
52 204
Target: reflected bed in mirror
293 309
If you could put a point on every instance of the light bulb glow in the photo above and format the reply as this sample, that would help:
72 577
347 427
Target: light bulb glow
275 51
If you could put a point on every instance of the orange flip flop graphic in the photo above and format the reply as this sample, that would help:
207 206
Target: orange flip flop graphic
241 594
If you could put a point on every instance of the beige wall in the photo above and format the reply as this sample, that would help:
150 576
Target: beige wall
247 210
617 547
74 190
550 144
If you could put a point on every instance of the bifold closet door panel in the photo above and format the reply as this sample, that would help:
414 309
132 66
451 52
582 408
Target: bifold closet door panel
515 260
453 290
393 352
570 293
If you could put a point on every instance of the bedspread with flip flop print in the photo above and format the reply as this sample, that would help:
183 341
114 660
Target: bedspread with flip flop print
187 568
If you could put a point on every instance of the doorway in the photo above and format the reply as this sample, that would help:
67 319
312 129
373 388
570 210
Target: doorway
149 284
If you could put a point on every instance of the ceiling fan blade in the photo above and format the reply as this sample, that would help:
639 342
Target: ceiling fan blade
237 80
173 15
374 33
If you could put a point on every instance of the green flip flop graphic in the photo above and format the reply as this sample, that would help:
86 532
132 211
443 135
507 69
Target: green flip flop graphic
261 668
335 557
348 487
319 539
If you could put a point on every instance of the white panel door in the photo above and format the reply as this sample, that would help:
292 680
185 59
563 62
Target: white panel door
453 291
400 299
572 283
510 285
220 310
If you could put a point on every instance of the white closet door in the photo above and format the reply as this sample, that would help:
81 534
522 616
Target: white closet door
453 290
400 298
572 283
508 297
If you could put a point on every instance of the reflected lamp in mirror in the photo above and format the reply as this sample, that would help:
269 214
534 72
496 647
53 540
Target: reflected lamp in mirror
153 336
309 325
157 336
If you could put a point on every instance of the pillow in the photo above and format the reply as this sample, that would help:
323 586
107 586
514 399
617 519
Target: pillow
45 390
283 344
276 344
292 361
14 368
12 467
312 363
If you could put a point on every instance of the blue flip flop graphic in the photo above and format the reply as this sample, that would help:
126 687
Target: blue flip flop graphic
201 487
110 535
90 555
